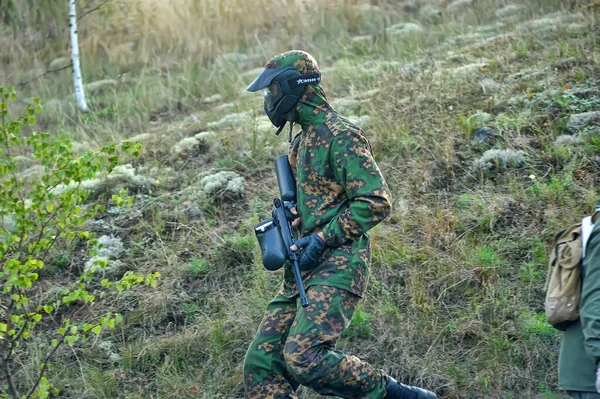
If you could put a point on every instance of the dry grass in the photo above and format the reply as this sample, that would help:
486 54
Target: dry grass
171 34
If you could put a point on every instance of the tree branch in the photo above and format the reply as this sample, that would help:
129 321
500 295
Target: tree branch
92 10
56 237
9 377
4 346
13 343
44 74
50 355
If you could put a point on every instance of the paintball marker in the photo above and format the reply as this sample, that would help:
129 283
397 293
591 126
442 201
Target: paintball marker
275 234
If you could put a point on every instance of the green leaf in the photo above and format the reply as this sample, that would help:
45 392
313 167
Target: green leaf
106 283
96 330
117 200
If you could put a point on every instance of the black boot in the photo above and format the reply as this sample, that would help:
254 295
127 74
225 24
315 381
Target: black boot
397 390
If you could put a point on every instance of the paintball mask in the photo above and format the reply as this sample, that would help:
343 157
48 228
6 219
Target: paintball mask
282 88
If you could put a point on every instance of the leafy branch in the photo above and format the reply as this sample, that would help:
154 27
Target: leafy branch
48 212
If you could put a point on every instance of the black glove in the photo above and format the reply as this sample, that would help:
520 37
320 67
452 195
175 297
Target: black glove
313 246
290 217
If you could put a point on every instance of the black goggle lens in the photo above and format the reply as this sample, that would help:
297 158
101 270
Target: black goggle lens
272 94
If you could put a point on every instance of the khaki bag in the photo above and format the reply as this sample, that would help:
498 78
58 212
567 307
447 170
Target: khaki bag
563 284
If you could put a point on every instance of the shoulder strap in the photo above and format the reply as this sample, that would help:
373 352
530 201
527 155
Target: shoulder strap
586 230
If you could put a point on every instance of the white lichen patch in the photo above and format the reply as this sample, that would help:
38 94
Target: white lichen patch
207 136
121 172
213 99
110 351
404 29
108 250
231 121
566 140
185 145
500 159
222 183
191 119
578 122
196 142
469 69
551 22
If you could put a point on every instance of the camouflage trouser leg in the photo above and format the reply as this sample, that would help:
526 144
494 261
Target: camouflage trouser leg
265 372
295 345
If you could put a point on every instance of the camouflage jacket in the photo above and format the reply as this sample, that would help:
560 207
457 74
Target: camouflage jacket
340 188
341 192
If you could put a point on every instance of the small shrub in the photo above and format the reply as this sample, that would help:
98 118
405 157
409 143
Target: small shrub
196 267
593 145
360 326
41 218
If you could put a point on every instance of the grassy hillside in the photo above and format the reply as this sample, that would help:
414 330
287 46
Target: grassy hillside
484 115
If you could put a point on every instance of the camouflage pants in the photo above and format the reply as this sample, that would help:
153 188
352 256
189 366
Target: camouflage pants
295 345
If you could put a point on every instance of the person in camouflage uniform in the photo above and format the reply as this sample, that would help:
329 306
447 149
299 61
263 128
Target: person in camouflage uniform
341 195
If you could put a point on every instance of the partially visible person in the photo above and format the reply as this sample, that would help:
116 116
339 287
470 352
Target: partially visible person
579 359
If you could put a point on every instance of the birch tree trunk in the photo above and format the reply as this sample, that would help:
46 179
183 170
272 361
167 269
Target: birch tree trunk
77 79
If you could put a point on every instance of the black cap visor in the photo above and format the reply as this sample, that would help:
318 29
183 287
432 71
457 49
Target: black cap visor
265 78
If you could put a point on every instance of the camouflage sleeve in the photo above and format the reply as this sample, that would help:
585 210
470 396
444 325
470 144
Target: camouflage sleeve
293 153
370 199
590 297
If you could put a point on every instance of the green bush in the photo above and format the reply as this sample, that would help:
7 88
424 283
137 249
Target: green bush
37 215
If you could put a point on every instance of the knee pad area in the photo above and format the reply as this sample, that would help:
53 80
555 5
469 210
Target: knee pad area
306 365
